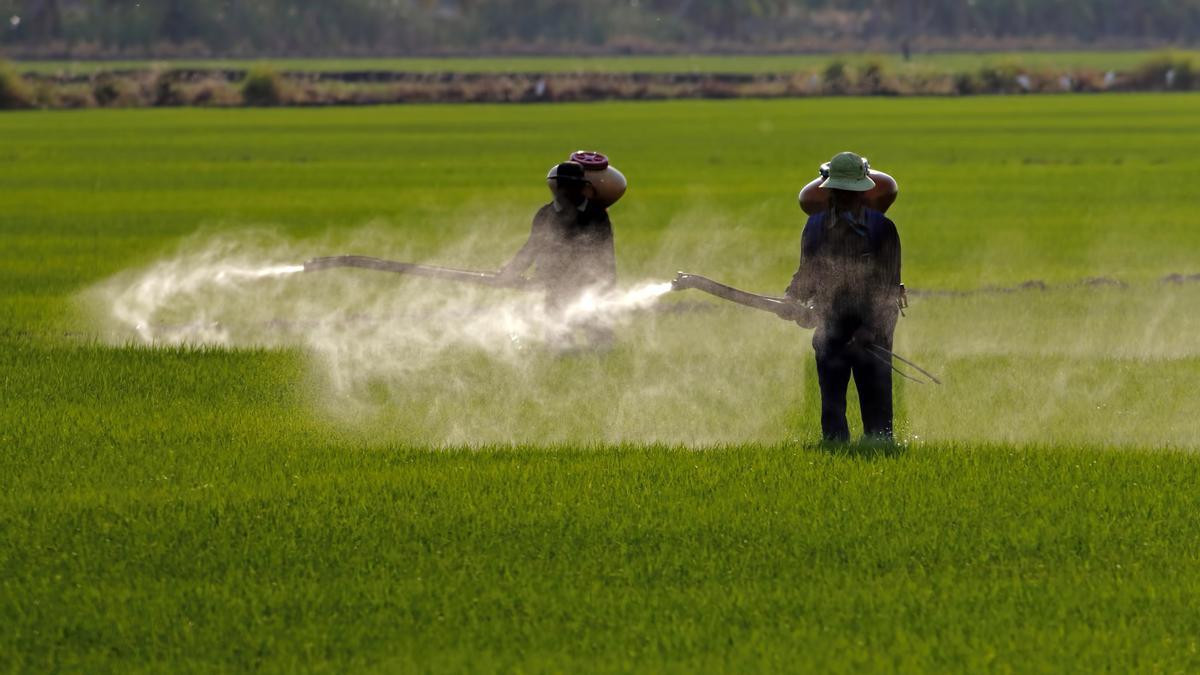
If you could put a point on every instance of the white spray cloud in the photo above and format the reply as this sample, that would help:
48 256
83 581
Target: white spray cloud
251 291
432 361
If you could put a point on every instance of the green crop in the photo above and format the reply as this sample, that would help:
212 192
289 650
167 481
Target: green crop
663 507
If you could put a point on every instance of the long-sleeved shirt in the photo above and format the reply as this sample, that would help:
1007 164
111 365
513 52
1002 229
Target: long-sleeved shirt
570 248
850 269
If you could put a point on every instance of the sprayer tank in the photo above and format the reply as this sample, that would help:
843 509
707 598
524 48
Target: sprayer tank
607 184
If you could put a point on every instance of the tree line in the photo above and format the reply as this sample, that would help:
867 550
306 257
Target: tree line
410 27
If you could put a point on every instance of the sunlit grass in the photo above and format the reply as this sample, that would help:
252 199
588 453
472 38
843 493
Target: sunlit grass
663 507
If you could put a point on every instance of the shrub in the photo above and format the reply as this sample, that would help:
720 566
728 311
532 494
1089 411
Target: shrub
928 83
45 95
874 77
110 90
1167 70
14 92
263 87
1001 78
836 77
166 91
966 84
211 91
106 91
70 96
1089 80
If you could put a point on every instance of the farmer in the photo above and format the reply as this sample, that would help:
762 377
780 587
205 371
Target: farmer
850 277
570 247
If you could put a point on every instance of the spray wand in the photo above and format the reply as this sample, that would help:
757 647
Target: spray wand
793 310
782 307
492 279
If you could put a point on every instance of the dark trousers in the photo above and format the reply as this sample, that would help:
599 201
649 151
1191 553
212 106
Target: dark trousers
872 372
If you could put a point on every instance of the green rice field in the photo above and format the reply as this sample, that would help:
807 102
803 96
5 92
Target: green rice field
348 471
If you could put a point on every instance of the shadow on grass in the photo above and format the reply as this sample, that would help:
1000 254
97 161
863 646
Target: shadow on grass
867 449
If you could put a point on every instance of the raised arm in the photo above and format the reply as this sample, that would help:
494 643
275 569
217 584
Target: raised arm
528 252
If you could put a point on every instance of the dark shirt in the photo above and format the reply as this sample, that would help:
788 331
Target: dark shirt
571 249
850 270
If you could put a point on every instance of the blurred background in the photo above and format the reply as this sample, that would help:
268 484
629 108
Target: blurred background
245 28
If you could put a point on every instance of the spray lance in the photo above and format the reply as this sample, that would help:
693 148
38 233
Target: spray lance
490 279
791 310
784 308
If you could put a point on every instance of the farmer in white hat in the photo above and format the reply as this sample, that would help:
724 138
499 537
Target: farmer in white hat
850 275
570 247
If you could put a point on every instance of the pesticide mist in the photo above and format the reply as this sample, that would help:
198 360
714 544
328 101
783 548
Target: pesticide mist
412 360
436 361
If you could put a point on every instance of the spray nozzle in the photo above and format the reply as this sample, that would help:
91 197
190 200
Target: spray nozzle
682 281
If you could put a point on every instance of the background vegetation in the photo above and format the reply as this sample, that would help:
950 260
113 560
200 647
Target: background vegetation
945 62
80 84
405 27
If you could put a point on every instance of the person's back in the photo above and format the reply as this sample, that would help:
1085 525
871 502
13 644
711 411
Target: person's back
574 249
851 271
570 248
849 275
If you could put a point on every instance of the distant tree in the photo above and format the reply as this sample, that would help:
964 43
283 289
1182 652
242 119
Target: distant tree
42 19
326 27
179 21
